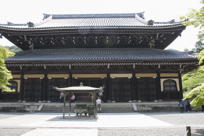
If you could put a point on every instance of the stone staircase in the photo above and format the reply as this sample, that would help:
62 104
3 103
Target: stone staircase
106 107
21 107
117 107
121 107
53 107
155 107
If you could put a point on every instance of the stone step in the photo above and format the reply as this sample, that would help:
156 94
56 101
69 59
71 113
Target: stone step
106 107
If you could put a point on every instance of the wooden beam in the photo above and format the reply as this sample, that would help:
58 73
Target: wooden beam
146 75
169 74
89 75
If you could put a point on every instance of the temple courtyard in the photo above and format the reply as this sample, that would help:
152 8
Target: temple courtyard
106 124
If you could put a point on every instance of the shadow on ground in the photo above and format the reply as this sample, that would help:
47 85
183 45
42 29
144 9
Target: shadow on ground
198 132
73 118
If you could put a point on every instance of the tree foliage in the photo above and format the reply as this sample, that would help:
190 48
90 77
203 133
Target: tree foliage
193 82
201 57
193 79
196 18
197 96
5 74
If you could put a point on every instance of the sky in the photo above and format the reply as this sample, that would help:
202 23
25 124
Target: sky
23 11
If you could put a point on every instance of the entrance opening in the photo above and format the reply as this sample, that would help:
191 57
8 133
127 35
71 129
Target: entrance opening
170 90
146 87
32 89
121 89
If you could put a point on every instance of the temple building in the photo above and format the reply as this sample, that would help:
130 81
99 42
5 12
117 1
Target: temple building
123 53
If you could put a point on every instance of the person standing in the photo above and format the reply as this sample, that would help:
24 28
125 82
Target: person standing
98 104
187 105
61 97
181 105
72 98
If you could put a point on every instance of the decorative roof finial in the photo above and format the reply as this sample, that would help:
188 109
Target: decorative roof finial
30 24
150 22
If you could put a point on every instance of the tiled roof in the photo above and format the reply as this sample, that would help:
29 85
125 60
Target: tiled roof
81 55
81 21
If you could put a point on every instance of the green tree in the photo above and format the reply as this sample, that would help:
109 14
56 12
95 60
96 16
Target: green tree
5 74
196 18
197 96
194 81
201 57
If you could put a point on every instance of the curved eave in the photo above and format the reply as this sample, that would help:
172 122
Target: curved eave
101 55
183 61
67 28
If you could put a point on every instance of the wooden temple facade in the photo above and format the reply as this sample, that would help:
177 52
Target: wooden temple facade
123 53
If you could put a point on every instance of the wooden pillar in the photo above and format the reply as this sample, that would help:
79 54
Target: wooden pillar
70 79
45 87
70 75
41 90
67 82
136 88
180 86
133 87
22 85
158 87
107 92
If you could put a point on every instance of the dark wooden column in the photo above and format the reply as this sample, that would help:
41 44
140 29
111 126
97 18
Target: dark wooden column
107 92
70 79
22 85
133 87
45 88
67 82
42 89
136 88
158 87
70 76
180 85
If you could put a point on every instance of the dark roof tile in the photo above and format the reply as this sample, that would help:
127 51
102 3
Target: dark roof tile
100 55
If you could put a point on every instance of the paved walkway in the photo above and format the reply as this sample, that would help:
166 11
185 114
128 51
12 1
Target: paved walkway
61 132
107 124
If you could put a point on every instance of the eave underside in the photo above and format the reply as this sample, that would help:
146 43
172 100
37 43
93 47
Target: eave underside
94 38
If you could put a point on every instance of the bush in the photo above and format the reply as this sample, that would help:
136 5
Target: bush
197 96
193 79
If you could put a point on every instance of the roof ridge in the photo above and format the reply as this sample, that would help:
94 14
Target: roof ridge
99 15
